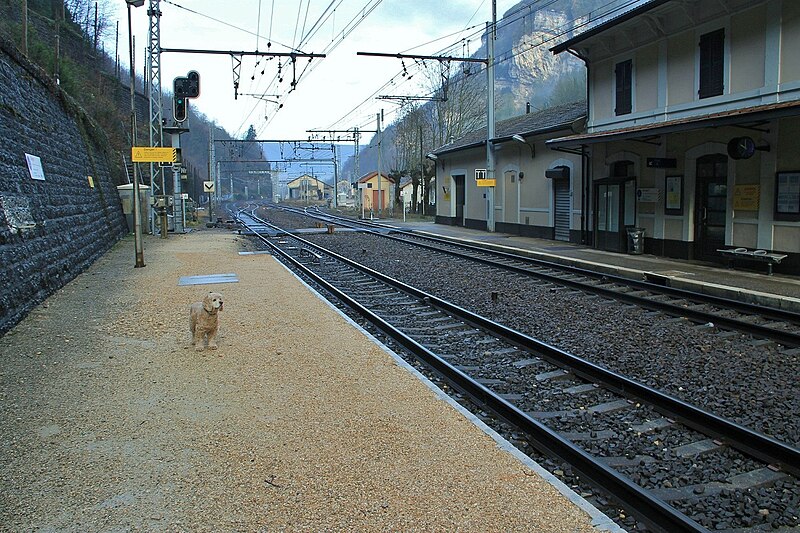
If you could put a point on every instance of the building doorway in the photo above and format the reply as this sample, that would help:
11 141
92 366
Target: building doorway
460 199
615 207
562 206
711 206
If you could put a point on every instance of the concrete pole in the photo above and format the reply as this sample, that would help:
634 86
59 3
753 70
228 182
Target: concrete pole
211 169
137 211
335 178
177 202
380 192
491 36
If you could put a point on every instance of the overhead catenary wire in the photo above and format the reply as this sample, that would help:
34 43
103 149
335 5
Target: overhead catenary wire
582 21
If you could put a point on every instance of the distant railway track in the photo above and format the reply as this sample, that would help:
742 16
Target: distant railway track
761 322
630 432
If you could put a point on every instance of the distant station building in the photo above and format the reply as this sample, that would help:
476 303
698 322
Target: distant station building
308 188
692 128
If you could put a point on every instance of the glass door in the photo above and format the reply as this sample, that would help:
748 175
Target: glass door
616 210
711 207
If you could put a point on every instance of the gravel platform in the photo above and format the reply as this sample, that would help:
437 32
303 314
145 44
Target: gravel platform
111 421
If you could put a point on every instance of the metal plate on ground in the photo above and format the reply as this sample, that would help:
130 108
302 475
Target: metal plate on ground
208 279
267 252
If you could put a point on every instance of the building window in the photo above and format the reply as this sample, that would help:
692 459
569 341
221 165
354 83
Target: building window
712 63
787 196
624 84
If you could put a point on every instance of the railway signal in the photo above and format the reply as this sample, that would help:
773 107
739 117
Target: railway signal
184 88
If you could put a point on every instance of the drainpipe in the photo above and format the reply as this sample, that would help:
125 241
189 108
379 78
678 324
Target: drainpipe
586 161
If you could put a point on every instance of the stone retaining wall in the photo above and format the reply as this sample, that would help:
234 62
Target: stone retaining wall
51 229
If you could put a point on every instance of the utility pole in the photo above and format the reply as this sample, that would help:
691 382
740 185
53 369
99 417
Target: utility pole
137 210
380 194
211 168
335 178
490 174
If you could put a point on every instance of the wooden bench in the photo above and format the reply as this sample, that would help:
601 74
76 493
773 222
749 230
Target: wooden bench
757 256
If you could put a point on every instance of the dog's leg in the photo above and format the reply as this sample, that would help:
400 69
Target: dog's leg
212 337
192 326
197 339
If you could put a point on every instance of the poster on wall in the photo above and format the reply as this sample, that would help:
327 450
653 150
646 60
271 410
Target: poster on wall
745 197
673 200
787 197
35 167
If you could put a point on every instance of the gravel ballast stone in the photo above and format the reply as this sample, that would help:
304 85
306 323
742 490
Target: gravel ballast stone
110 420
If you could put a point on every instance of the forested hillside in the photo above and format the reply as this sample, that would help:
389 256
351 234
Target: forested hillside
65 38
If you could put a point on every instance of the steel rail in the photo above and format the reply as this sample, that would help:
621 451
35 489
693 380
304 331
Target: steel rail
786 338
756 309
755 444
650 509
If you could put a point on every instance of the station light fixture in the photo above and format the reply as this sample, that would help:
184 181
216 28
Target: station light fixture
520 139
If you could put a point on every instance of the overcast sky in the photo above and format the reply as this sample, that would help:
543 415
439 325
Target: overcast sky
337 91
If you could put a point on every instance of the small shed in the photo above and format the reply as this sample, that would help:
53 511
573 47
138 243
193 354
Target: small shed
376 192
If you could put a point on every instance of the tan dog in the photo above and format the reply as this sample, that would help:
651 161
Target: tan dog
204 320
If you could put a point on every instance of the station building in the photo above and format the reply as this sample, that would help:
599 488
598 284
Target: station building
308 188
538 191
693 127
692 135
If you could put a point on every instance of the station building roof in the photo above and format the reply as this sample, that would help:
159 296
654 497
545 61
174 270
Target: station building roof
537 123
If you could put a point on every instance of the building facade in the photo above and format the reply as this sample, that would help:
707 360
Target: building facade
308 188
375 193
538 191
693 127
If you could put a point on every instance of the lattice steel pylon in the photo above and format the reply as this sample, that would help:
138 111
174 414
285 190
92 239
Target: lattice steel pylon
154 86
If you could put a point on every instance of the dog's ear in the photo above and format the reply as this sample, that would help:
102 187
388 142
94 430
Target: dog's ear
207 305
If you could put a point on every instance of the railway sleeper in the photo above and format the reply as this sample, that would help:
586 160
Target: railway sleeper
758 478
699 447
653 425
555 374
622 461
580 389
578 436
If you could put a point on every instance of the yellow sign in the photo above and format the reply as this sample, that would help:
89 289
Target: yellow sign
147 154
486 183
745 197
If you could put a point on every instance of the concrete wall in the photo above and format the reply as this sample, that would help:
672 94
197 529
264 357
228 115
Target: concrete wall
50 230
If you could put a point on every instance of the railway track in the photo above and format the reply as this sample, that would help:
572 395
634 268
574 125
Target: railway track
674 466
761 322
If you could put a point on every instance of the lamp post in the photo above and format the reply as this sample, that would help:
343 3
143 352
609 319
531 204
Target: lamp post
137 214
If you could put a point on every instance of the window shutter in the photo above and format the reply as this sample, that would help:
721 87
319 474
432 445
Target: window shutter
624 77
712 63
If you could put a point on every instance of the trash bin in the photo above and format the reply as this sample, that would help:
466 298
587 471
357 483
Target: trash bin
635 241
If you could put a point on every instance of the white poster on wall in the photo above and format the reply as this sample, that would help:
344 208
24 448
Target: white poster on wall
35 167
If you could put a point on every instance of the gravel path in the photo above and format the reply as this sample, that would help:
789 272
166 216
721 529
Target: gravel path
109 421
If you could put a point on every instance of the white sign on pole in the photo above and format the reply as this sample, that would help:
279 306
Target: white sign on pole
208 186
35 167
